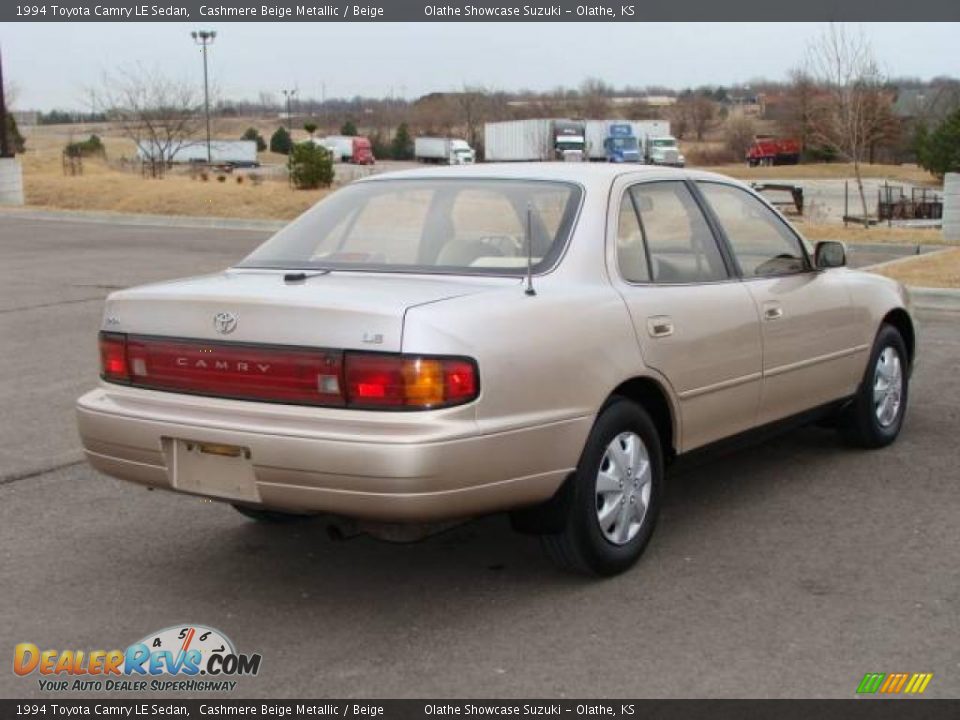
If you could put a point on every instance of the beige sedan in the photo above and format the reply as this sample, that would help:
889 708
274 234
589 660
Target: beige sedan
427 346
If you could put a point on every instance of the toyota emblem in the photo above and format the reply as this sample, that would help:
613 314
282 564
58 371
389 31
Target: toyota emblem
225 322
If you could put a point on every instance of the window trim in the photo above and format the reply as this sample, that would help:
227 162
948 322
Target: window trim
731 271
810 267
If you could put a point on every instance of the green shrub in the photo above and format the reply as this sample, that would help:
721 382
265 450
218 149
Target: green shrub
310 127
402 146
310 165
939 151
380 145
349 128
91 147
252 134
280 141
17 143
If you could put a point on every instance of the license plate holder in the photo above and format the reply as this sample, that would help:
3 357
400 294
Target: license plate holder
212 469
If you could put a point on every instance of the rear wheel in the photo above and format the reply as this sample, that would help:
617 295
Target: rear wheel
614 497
875 416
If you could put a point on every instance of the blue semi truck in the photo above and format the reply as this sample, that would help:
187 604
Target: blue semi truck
612 141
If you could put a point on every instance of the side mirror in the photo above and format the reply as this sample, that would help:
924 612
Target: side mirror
829 254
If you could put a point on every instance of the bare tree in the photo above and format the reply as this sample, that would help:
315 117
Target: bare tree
473 104
267 102
594 98
800 100
738 134
694 111
849 120
158 114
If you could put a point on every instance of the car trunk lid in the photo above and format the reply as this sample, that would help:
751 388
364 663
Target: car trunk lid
343 310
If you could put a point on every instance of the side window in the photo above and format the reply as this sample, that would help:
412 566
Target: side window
680 246
761 242
631 254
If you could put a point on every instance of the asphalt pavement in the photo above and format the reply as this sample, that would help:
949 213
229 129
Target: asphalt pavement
788 569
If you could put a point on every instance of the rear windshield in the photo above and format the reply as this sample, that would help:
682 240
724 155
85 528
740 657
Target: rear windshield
462 226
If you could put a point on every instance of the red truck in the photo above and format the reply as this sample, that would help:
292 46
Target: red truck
354 149
770 150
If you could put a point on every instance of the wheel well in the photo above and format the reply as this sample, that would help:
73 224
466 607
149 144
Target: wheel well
651 395
901 321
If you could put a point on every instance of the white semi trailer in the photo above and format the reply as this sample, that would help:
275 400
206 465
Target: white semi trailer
239 153
443 150
537 139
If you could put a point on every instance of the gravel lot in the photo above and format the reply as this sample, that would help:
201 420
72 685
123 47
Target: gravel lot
788 569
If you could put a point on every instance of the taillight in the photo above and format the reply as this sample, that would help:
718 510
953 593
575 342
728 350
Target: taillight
376 380
305 376
113 357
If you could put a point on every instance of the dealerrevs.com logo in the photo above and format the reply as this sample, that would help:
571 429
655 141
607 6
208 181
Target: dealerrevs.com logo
186 658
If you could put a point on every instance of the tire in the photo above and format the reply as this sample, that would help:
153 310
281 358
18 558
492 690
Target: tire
867 422
272 517
583 544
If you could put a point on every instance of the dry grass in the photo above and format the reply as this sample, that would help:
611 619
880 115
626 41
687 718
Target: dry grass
104 186
876 234
940 270
902 173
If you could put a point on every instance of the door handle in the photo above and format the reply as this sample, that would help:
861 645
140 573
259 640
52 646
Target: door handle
660 326
772 312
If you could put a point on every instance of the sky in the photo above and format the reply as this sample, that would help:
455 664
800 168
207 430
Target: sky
53 65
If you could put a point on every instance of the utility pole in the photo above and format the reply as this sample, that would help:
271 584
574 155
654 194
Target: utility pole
203 38
289 94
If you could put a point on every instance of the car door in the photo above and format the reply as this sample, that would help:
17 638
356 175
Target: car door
812 344
697 326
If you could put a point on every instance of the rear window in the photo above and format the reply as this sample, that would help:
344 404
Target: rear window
472 226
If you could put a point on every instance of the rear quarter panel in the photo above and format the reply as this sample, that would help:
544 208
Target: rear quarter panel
553 357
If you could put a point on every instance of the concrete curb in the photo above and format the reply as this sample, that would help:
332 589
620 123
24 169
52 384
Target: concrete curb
906 249
905 259
925 298
180 221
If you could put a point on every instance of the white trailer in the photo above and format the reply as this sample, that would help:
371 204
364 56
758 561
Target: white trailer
516 140
340 145
537 139
595 135
448 151
239 153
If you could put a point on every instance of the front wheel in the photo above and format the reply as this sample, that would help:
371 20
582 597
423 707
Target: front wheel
874 417
614 498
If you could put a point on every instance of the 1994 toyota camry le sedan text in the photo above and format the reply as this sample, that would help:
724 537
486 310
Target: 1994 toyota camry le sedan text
434 345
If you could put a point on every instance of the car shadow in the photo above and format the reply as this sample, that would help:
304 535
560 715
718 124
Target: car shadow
263 562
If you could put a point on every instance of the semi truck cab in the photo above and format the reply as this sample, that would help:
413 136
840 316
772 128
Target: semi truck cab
621 145
569 140
663 150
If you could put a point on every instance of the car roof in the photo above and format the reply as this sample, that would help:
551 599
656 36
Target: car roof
584 173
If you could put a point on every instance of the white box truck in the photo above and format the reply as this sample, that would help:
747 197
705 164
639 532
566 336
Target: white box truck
446 151
238 153
538 139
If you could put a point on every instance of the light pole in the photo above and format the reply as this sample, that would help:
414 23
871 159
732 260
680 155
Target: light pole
289 95
203 38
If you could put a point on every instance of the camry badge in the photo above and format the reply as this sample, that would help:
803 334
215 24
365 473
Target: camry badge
225 322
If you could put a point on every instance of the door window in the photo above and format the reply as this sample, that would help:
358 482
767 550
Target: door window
680 248
761 242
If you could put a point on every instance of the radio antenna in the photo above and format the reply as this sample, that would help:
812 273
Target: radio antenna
530 290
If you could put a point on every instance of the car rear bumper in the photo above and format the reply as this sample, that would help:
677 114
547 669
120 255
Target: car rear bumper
397 467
